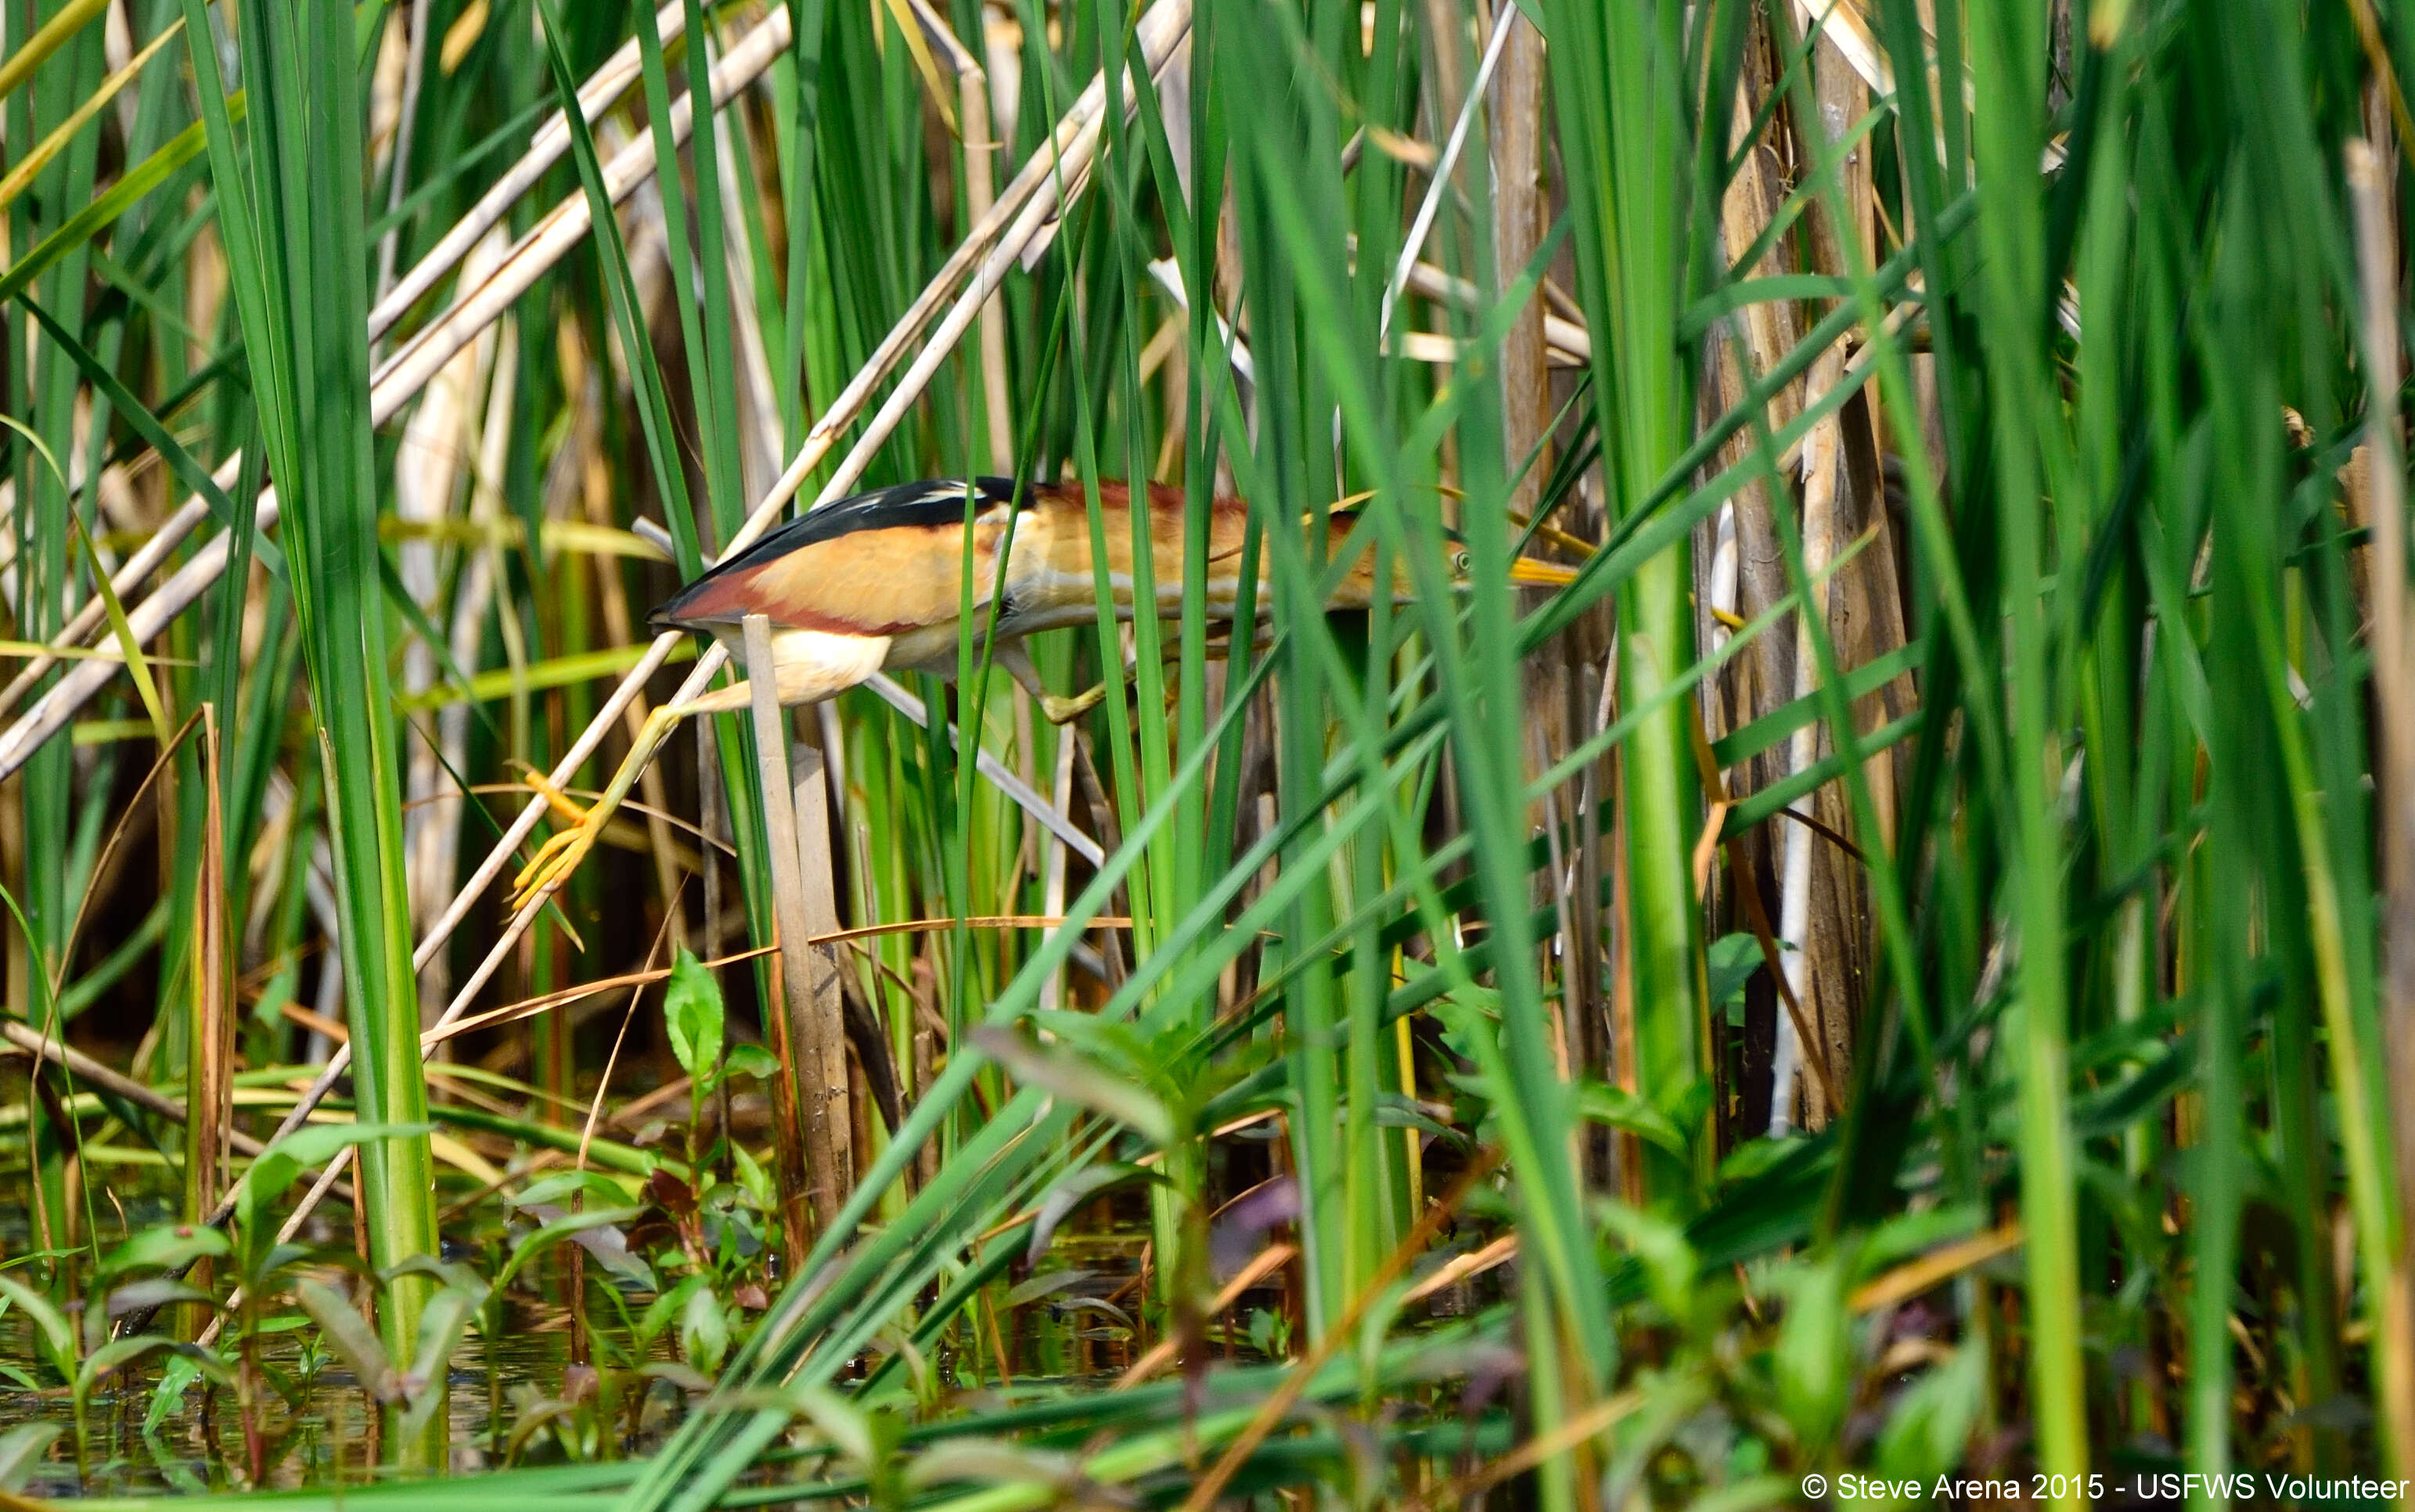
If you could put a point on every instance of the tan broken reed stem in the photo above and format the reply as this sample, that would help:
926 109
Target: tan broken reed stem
810 793
1031 203
817 1035
1521 218
787 1125
1821 468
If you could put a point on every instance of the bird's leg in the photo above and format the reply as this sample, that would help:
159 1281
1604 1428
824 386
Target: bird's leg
1017 664
1218 647
556 799
811 667
562 853
1219 644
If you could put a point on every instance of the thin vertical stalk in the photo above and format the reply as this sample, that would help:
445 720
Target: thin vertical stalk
796 85
1621 94
289 210
2009 50
1822 468
817 1035
2393 641
1520 218
45 596
209 1067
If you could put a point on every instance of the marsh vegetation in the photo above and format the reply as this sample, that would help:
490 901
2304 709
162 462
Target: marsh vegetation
1905 965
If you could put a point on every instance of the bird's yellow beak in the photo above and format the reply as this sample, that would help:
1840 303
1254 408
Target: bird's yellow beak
1533 574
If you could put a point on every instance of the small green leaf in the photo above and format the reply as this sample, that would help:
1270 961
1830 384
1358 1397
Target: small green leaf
155 1292
110 1357
1622 1109
752 1178
658 1315
349 1338
1925 1435
52 1321
1732 959
439 1334
686 1378
277 1166
450 1273
168 1247
704 1331
1813 1361
845 1425
752 1060
317 1144
1262 1327
1670 1263
168 1398
21 1450
557 1230
692 1015
559 1186
1065 1075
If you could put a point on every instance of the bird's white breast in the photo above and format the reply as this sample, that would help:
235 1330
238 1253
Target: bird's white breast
815 664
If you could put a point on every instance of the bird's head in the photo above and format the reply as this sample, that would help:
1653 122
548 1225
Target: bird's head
1459 568
1527 572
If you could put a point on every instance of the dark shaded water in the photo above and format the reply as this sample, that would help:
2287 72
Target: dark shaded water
325 1437
325 1441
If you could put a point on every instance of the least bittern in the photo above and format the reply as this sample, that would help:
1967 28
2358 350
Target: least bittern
875 583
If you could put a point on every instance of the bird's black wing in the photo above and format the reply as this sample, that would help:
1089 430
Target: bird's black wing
933 501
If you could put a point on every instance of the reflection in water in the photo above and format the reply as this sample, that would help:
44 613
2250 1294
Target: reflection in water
321 1429
326 1440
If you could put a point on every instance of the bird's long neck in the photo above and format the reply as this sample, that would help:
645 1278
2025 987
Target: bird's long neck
1061 551
1053 553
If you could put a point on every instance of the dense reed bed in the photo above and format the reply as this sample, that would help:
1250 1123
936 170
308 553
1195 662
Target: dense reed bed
1905 968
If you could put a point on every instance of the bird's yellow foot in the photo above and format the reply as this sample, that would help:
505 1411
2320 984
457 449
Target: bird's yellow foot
565 850
561 855
1066 710
553 863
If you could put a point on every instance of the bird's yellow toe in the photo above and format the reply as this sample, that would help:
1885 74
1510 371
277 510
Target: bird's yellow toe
1066 710
553 863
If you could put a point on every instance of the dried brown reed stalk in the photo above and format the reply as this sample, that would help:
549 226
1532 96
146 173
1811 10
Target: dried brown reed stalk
813 1047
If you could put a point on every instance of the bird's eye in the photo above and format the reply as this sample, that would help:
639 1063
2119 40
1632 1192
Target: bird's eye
1459 561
